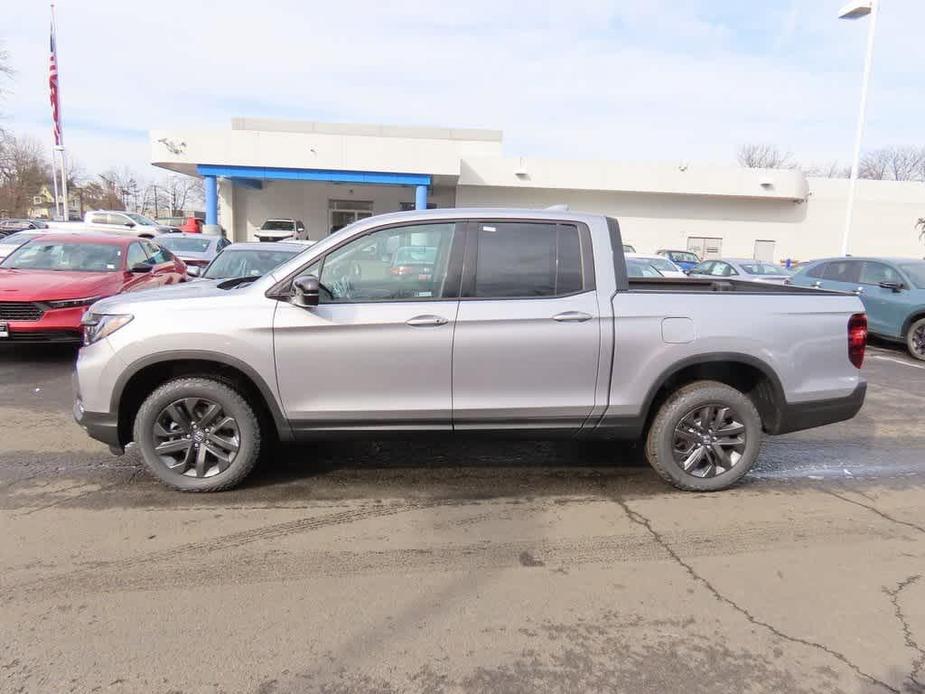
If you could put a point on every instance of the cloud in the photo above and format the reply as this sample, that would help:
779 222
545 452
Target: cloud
637 79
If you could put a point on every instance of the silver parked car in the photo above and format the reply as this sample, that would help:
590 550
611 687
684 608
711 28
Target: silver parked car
742 269
196 250
512 321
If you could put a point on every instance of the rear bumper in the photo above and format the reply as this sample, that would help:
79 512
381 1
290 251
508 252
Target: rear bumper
817 413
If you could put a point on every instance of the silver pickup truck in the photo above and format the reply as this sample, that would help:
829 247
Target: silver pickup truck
475 322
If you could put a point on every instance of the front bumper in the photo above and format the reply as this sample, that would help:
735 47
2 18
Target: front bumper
817 413
102 426
55 325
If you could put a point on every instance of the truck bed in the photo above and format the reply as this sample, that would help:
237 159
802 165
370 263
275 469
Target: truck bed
697 285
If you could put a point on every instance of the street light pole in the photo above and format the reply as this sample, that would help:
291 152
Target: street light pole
856 10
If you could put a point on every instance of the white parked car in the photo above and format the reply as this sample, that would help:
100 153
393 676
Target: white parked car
123 222
279 229
666 267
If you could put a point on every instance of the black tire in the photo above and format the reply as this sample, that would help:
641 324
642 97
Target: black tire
247 430
915 339
662 441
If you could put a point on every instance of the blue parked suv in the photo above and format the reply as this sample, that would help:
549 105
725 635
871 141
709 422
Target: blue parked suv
892 290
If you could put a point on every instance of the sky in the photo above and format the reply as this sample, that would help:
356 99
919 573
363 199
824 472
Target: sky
634 80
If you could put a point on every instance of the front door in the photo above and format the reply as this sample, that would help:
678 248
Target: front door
528 331
886 311
376 353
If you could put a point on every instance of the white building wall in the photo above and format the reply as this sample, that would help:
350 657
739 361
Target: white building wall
885 213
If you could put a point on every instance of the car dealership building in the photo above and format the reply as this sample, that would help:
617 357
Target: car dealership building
329 175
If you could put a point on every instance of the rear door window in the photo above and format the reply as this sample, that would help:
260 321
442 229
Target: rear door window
527 259
843 271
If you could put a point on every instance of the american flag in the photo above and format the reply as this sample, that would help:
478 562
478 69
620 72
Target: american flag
53 90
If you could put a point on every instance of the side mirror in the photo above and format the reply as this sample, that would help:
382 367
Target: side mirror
193 270
141 267
130 224
895 286
306 291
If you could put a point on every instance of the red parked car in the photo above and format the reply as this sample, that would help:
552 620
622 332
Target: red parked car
47 284
192 225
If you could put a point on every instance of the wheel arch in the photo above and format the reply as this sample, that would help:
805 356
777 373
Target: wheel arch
147 373
748 374
917 314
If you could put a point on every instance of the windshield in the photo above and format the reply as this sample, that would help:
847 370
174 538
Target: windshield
64 256
663 264
641 268
683 257
915 272
764 269
245 263
278 225
140 219
184 244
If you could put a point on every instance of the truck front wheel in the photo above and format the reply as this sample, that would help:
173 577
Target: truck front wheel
197 435
705 437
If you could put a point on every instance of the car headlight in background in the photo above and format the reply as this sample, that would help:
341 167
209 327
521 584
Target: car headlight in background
73 303
100 325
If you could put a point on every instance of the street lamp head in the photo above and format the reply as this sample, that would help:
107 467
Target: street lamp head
856 9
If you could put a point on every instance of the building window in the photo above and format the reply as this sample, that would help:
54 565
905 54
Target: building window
344 212
409 206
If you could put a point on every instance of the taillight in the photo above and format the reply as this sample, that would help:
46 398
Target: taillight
857 338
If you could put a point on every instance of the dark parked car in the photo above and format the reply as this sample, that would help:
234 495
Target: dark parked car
683 259
10 226
891 289
196 250
250 259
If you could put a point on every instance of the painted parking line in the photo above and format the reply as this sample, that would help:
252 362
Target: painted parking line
897 361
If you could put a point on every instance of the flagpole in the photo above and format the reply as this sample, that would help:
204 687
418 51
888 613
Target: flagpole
59 145
54 178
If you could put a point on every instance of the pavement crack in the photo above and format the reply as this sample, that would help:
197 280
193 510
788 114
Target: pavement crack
874 509
642 521
908 636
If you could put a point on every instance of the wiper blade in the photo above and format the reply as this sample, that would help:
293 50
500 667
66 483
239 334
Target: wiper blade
236 282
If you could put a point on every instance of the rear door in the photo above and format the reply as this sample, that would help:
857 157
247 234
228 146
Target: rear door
886 311
842 275
528 330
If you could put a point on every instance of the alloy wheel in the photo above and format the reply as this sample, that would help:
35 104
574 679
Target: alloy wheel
709 441
194 437
918 340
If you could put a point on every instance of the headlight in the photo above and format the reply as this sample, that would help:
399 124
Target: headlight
73 303
100 325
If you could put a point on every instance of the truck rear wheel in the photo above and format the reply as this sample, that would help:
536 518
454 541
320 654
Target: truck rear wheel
197 435
705 437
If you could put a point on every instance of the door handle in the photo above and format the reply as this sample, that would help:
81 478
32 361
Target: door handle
859 290
571 317
817 284
426 321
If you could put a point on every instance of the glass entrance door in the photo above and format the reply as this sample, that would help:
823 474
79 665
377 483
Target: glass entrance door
344 212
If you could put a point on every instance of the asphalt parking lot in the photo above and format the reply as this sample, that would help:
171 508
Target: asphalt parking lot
385 566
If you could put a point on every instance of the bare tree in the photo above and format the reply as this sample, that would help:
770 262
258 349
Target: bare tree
756 156
832 169
123 183
905 163
173 195
24 169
